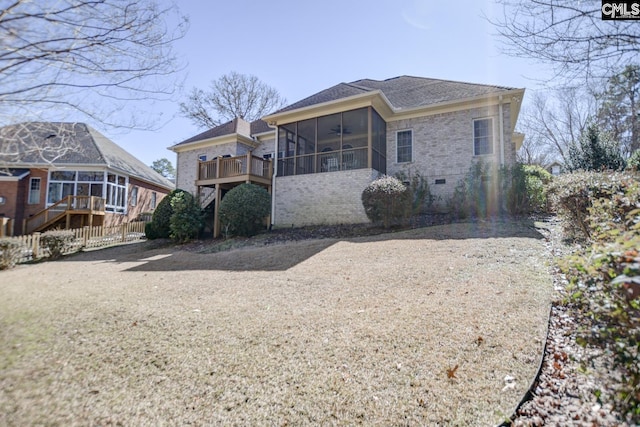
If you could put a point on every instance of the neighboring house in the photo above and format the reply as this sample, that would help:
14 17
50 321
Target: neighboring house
317 155
555 168
68 175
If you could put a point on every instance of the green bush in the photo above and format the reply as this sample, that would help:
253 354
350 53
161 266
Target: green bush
488 191
386 200
57 242
186 220
150 231
476 195
418 187
605 284
244 208
633 163
594 151
10 252
524 189
590 203
161 218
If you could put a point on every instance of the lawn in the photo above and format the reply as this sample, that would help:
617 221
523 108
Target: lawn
418 327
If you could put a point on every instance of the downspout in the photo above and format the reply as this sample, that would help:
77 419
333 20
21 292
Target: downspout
501 130
273 181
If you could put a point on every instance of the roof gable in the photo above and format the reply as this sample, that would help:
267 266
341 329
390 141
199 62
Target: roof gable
66 143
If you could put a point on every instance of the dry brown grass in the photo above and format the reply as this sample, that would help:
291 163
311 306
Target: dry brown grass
332 332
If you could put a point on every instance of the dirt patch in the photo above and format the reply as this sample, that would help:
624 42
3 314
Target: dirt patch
442 325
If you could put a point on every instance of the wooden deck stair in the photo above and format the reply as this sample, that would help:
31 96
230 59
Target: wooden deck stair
62 214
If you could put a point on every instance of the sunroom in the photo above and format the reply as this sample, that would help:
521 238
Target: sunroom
353 139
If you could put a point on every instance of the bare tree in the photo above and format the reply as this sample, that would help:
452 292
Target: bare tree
569 34
88 59
232 95
554 119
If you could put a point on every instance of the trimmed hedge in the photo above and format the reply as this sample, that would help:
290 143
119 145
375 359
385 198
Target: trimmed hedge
9 253
386 200
243 210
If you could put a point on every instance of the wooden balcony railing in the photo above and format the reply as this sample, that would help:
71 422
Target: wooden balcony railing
75 204
229 167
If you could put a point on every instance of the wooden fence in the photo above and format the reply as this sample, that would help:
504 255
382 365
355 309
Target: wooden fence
85 238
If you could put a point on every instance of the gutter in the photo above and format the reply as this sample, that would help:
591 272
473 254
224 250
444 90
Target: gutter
273 180
501 112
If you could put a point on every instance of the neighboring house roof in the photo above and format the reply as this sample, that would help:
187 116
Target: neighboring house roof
12 174
68 144
402 92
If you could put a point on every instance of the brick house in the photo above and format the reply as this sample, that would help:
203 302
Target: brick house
317 155
68 175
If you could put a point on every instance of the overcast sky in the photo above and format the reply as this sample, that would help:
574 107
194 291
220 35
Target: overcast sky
301 48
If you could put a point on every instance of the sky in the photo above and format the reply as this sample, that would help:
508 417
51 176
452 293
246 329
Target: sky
301 48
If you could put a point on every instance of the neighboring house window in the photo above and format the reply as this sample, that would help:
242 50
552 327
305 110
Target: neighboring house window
404 139
153 200
202 157
116 193
482 137
134 196
34 191
3 200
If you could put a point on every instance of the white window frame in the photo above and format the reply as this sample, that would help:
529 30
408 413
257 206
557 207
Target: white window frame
154 199
134 196
397 147
30 201
491 136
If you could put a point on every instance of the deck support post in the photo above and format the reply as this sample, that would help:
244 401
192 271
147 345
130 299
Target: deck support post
216 217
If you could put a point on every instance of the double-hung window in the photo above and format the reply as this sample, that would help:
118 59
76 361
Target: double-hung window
404 140
34 191
482 136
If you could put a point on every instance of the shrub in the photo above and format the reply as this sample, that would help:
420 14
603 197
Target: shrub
633 163
9 253
150 231
594 151
605 286
161 218
386 199
57 242
590 203
487 191
244 208
475 195
418 187
186 219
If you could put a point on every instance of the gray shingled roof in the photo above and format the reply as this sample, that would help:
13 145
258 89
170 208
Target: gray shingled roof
221 130
38 143
258 126
402 92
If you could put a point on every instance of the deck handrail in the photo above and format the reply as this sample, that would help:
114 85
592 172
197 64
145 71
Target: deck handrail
225 167
69 203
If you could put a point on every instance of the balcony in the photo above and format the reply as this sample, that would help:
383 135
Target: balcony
231 170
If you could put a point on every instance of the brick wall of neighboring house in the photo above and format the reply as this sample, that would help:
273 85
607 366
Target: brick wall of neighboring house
324 198
443 147
143 203
11 191
30 210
